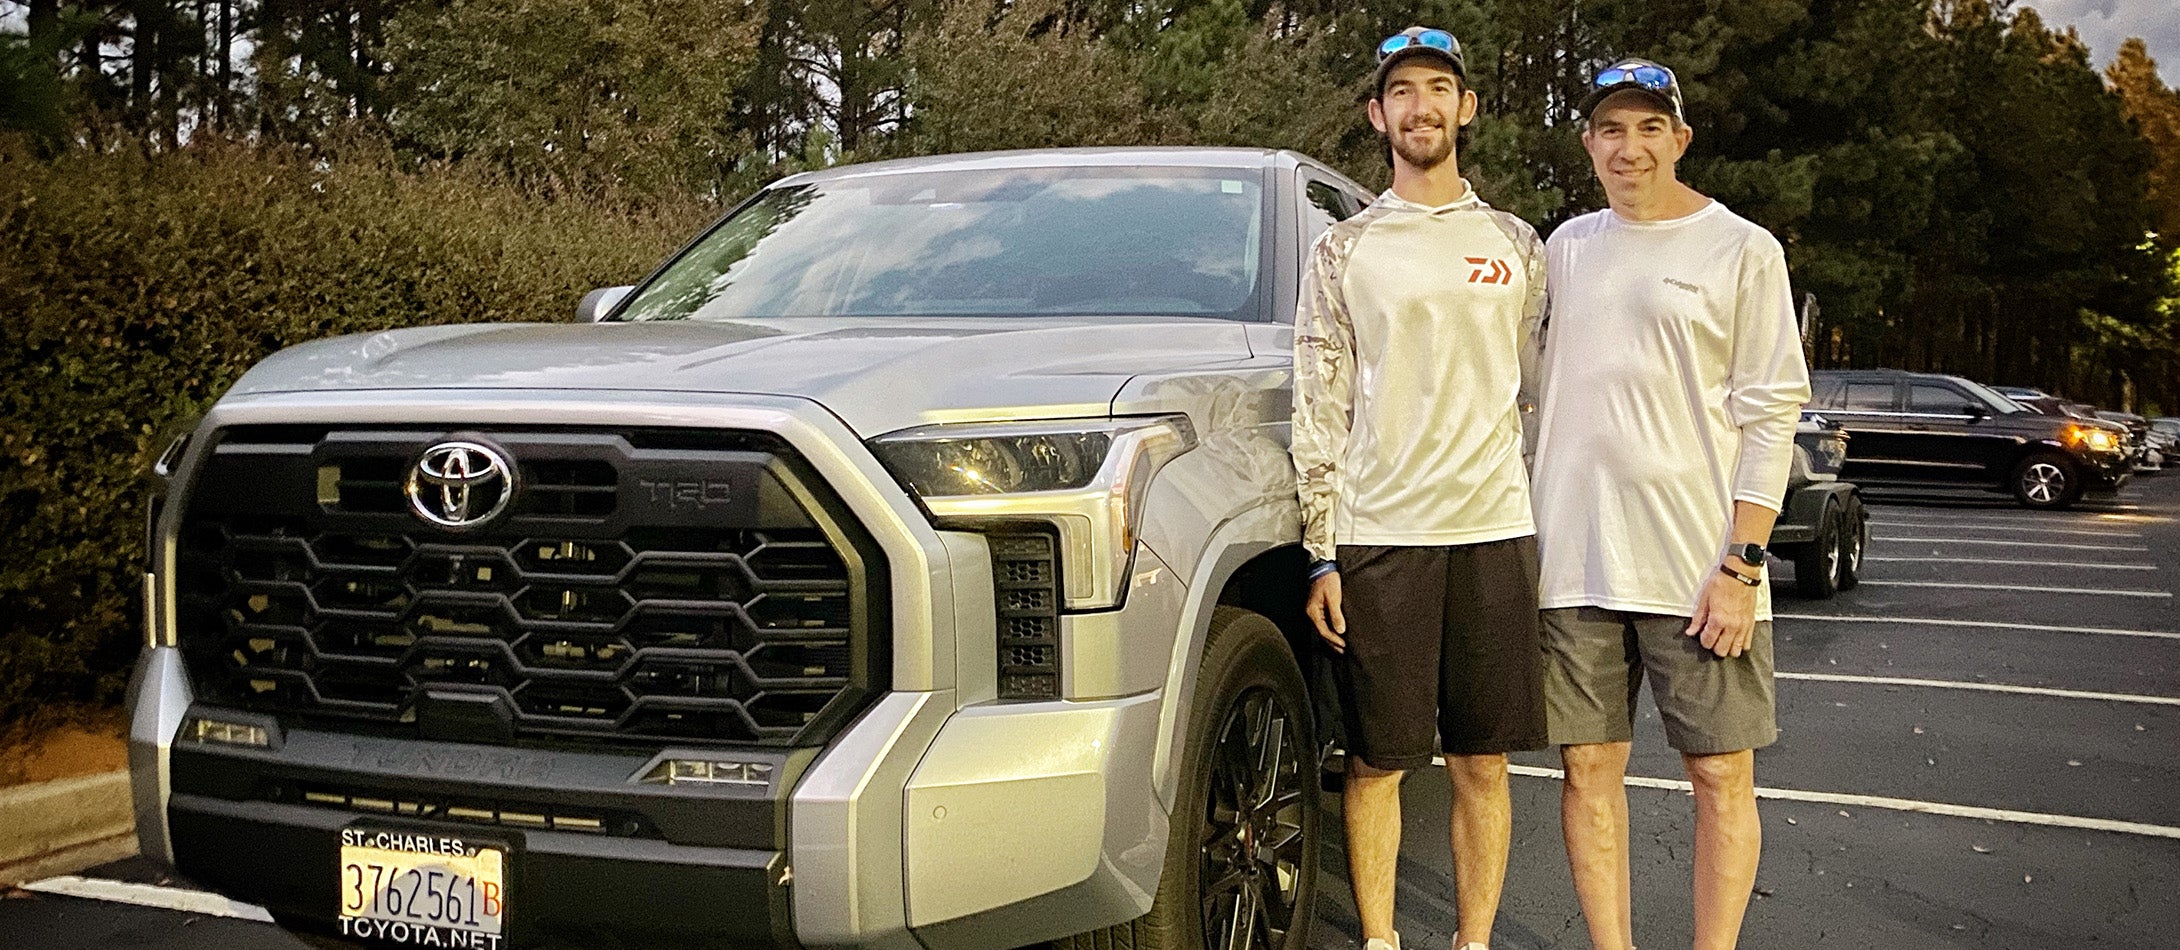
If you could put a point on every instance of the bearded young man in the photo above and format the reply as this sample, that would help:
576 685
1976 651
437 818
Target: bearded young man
1673 383
1411 354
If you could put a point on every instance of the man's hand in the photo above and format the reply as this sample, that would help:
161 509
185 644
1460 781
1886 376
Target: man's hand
1725 620
1324 611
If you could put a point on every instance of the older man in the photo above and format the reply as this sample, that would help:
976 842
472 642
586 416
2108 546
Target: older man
1673 380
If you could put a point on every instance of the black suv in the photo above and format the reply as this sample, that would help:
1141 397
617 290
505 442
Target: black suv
1930 429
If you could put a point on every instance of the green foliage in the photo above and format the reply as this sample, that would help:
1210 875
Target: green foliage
1062 86
30 92
139 288
575 92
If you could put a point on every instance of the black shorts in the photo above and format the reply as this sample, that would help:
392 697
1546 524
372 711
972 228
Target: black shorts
1443 652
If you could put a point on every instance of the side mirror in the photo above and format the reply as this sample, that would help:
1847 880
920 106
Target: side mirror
600 302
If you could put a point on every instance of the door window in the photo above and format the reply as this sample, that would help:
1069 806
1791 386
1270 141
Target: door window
1868 397
1327 205
1937 399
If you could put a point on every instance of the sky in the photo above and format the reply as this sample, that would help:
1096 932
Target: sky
2103 24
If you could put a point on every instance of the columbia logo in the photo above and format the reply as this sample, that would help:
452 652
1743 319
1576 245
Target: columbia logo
1684 285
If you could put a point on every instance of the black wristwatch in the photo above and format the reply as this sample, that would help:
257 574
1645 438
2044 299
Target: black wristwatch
1752 555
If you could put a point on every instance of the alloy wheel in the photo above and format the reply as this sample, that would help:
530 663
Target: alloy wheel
1253 847
2043 483
1836 553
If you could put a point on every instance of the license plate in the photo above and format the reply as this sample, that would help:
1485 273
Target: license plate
422 889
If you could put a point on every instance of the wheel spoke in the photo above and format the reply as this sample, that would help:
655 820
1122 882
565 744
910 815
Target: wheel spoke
1269 933
1235 768
1270 762
1288 797
1243 923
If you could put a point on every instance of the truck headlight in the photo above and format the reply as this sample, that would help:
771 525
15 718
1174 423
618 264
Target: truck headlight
1085 477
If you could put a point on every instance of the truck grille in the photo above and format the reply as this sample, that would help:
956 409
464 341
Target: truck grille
642 585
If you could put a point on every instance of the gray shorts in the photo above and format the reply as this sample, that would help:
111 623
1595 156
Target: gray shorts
1594 661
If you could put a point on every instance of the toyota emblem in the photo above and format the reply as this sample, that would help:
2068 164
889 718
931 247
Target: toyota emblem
460 484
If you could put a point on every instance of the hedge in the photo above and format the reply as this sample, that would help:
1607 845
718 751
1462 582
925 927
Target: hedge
136 288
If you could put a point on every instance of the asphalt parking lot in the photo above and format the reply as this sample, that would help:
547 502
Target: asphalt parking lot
1977 751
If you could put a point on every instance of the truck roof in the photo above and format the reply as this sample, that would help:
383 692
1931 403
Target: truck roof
1184 156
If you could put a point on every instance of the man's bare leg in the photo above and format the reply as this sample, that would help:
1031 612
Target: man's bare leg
1483 825
1371 803
1593 817
1729 840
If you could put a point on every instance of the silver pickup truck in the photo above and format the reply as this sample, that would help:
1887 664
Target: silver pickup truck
910 561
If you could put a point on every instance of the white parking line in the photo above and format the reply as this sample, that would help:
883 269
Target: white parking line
1998 527
150 895
2086 591
1981 687
1980 560
1985 624
2011 544
2114 511
1895 804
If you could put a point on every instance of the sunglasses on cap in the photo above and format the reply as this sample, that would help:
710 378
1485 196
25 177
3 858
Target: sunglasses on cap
1439 40
1649 76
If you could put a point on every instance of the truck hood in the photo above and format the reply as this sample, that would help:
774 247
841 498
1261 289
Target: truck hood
876 375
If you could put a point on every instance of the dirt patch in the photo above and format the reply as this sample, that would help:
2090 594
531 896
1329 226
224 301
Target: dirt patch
76 742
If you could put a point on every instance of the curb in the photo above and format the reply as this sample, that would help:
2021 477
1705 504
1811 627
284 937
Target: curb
65 825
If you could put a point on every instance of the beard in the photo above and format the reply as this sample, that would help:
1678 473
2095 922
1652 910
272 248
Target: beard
1423 159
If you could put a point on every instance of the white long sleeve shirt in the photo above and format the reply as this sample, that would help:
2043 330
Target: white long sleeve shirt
1673 378
1414 337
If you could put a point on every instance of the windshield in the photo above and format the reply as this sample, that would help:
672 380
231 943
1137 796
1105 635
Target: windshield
1998 403
1080 241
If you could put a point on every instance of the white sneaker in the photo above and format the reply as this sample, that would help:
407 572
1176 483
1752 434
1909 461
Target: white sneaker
1375 943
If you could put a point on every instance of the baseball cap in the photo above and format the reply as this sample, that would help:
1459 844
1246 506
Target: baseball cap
1418 41
1641 75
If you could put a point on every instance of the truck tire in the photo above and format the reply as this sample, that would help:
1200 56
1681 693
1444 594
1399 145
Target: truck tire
1248 743
2046 480
1816 569
1857 540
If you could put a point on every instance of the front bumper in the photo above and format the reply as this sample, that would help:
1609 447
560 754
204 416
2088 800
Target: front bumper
2105 472
920 827
286 857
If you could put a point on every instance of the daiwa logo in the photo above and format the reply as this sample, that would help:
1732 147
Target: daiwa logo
1489 270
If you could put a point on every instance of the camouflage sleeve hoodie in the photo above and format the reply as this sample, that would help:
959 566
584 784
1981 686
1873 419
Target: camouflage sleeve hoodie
1417 339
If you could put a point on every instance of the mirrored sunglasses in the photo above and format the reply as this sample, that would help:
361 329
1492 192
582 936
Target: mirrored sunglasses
1655 78
1435 39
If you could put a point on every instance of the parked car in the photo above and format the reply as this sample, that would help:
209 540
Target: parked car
2165 438
2138 435
2043 402
1823 526
1929 429
913 560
